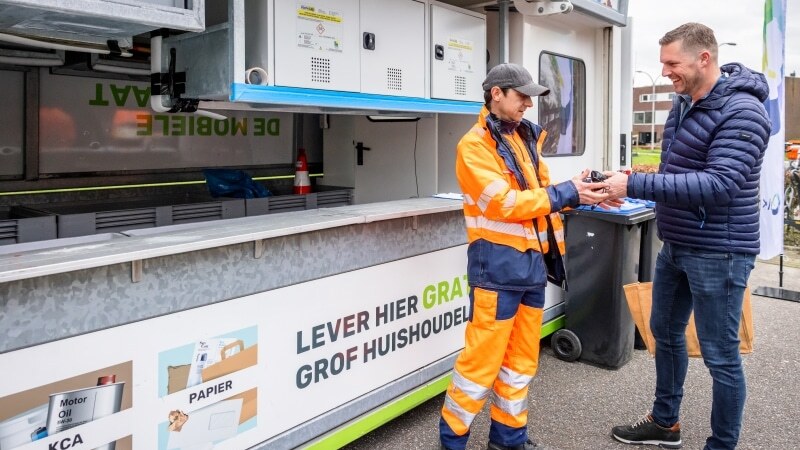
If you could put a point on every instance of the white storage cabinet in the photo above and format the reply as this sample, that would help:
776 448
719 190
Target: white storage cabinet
458 53
393 47
317 44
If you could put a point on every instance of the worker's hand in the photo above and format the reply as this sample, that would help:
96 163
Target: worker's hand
617 184
590 193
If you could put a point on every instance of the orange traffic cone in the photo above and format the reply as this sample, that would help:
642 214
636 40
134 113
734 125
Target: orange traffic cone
302 183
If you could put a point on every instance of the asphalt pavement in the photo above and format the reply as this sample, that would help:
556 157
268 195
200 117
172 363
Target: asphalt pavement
572 406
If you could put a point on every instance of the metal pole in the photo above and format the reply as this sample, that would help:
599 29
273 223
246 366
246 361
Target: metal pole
652 110
653 117
503 30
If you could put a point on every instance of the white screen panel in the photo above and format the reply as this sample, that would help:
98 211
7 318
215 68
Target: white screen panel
91 124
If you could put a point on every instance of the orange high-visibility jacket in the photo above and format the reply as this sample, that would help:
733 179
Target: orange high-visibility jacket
505 205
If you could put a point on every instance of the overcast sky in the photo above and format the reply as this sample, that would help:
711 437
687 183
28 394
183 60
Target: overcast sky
739 21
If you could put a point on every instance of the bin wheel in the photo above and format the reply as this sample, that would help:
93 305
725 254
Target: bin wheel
566 345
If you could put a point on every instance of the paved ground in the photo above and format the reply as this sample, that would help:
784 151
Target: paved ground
574 405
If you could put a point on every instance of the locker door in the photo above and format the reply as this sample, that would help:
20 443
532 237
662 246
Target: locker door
401 162
393 47
317 44
458 54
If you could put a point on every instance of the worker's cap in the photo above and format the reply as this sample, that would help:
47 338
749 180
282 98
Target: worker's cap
515 77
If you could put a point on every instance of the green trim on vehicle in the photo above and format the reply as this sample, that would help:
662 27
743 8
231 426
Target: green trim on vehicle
552 326
349 433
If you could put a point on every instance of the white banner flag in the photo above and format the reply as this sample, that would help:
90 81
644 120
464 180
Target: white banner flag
772 194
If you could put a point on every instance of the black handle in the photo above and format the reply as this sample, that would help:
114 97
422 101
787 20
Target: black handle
360 153
369 41
438 52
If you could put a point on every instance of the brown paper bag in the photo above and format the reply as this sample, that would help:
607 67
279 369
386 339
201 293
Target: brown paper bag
245 358
249 402
177 376
639 297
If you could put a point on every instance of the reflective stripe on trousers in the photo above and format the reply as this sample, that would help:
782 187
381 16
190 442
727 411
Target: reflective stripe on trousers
500 358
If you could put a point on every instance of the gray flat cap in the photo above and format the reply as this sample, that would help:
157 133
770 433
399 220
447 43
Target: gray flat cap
515 77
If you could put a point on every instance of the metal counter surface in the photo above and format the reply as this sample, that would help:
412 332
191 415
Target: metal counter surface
155 242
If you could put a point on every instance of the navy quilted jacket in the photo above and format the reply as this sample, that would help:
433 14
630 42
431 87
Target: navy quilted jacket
706 188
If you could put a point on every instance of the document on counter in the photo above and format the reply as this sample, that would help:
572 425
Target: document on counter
450 195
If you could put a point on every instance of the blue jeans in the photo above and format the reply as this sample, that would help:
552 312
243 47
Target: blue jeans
712 285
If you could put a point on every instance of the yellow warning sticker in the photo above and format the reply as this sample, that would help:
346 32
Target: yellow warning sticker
459 44
319 29
308 13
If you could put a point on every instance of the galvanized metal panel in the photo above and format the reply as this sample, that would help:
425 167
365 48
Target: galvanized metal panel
73 301
96 21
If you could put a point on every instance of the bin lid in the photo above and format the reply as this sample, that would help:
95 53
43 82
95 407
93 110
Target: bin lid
621 217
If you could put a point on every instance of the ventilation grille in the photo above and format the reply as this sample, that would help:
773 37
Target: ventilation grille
334 198
196 213
460 85
394 79
118 220
327 197
8 231
320 70
285 203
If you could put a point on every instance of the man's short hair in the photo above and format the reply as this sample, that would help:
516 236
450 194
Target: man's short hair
694 37
487 96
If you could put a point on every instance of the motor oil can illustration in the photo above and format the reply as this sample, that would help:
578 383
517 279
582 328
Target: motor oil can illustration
72 408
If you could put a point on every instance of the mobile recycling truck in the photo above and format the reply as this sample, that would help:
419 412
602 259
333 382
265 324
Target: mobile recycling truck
139 311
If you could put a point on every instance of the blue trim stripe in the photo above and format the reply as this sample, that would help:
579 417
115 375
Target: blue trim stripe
347 100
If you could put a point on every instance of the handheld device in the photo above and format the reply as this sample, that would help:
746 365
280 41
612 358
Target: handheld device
595 177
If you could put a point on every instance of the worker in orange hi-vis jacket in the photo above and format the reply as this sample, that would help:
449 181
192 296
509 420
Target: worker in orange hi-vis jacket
512 221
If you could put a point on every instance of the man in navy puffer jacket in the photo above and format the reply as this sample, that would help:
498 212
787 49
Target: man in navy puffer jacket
706 194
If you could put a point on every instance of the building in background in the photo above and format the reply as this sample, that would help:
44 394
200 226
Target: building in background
643 112
643 109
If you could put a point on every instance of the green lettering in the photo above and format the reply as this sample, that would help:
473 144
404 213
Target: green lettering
178 126
204 126
142 96
429 297
443 294
120 94
221 127
259 126
164 123
456 292
144 125
239 126
274 127
98 96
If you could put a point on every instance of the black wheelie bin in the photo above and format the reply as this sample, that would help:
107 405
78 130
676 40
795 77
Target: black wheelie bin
603 254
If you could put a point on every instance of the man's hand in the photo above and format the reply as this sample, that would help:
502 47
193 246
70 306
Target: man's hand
612 203
617 184
590 193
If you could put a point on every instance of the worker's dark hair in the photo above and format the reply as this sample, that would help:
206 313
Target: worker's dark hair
694 37
487 96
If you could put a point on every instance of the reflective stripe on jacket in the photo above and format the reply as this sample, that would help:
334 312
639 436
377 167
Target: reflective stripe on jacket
505 205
